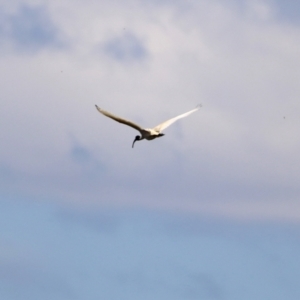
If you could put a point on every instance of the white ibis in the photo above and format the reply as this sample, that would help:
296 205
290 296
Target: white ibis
147 133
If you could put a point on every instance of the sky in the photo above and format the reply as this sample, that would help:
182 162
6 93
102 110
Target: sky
209 211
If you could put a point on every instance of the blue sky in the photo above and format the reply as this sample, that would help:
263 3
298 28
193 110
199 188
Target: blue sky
55 252
209 211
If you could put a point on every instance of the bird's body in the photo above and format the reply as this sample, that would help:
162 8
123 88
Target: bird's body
150 134
146 133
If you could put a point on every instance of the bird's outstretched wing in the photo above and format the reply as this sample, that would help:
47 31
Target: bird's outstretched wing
118 119
167 123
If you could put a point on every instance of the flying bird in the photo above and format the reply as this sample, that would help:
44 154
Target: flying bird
147 133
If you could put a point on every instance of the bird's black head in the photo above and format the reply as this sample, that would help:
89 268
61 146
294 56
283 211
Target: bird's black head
137 138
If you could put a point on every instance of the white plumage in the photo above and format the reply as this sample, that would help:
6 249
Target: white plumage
147 133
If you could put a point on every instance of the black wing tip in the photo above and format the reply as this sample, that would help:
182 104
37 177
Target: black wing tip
199 105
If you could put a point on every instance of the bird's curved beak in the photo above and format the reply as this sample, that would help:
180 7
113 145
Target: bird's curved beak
137 138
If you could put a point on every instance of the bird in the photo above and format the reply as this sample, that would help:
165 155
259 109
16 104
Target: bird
147 133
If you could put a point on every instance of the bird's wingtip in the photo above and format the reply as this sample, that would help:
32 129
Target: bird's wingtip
199 105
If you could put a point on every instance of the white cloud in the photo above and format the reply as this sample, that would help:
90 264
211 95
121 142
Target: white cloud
243 143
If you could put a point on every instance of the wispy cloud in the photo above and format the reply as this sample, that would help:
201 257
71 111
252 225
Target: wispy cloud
125 48
288 12
21 281
29 29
